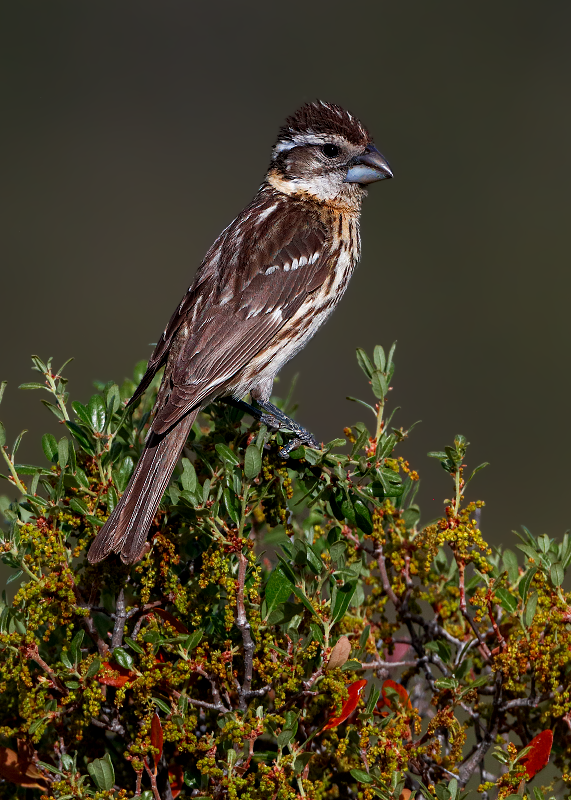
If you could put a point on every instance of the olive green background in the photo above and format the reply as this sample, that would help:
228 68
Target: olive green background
132 133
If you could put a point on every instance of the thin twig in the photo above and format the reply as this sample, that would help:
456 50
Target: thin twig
385 578
120 620
31 651
218 705
244 627
153 779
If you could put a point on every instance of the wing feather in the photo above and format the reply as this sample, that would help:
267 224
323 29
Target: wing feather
236 307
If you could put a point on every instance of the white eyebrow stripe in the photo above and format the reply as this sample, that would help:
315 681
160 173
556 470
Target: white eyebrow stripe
284 146
300 139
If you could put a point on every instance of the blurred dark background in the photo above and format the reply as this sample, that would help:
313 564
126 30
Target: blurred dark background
134 132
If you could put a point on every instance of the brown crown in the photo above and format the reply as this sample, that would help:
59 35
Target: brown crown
325 118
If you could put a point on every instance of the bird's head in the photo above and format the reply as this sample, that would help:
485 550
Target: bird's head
324 153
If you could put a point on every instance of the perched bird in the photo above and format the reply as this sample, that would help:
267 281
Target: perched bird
265 286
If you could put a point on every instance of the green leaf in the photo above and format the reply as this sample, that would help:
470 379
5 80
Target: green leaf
54 409
63 452
81 437
35 725
252 462
364 362
123 658
379 385
278 589
301 762
342 600
511 565
123 473
529 551
313 561
285 737
441 647
49 768
373 699
78 506
363 517
232 505
228 456
32 386
337 553
475 471
75 646
379 358
360 441
557 574
193 640
301 596
67 660
3 389
49 446
93 668
352 664
102 773
188 477
162 705
316 634
446 683
2 435
361 776
82 412
113 399
507 601
525 583
133 645
96 411
530 610
112 498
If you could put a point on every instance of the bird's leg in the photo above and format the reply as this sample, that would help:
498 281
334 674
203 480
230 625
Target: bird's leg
267 419
301 435
276 419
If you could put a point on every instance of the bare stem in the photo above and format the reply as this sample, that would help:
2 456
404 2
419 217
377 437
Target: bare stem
244 627
31 651
120 620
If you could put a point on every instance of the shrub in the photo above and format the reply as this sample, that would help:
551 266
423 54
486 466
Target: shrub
292 630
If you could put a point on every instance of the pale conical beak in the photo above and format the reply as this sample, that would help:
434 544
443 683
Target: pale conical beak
369 167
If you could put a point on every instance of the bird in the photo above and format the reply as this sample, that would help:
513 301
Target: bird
268 282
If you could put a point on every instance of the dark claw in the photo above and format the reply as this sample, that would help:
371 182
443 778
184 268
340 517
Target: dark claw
276 419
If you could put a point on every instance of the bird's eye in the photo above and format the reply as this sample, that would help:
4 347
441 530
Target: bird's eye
330 150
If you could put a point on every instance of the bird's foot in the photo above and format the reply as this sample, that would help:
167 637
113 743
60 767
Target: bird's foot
275 418
286 424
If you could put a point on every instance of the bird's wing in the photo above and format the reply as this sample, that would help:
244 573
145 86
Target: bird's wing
266 277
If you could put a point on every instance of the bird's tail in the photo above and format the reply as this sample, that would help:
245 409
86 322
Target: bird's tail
126 529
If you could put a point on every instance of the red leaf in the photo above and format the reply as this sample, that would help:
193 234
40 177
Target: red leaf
399 652
401 691
350 705
18 767
109 678
538 756
177 625
176 780
157 736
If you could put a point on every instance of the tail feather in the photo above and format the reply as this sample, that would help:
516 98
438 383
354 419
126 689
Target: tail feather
126 529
